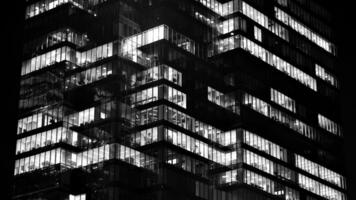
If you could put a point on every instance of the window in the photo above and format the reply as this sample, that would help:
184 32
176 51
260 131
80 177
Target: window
227 101
264 145
326 76
303 30
239 41
329 125
264 21
320 171
283 100
320 189
257 33
77 197
281 117
270 186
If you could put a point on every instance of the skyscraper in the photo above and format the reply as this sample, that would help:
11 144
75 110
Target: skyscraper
188 99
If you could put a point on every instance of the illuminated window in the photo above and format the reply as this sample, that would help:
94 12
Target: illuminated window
319 188
304 30
257 33
329 125
326 76
224 100
264 145
320 171
239 41
282 100
279 116
77 197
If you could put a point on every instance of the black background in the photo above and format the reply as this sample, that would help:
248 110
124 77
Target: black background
12 30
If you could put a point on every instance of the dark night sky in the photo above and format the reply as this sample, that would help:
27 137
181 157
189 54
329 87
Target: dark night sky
12 25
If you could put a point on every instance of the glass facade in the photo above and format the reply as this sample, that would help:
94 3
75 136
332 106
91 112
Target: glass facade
281 117
329 125
227 101
39 119
326 76
48 138
305 31
156 73
283 100
266 56
319 171
264 145
56 37
159 92
165 99
46 5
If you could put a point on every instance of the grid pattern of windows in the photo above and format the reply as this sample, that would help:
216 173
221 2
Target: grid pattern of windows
264 21
270 186
38 120
268 166
306 16
56 37
320 171
82 117
46 5
40 90
227 138
45 159
144 137
156 73
320 189
200 148
281 117
326 76
264 145
129 46
231 24
43 6
85 158
174 96
67 54
224 100
222 158
47 138
94 54
144 96
258 162
88 76
304 30
47 59
187 163
203 129
146 116
283 100
239 41
241 6
220 8
329 125
114 151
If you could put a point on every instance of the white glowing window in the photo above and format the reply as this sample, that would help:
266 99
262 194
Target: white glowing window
329 125
77 197
283 100
326 76
257 33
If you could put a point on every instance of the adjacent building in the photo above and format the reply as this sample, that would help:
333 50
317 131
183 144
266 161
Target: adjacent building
178 100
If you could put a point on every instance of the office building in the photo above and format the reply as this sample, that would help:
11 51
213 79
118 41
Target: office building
179 99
